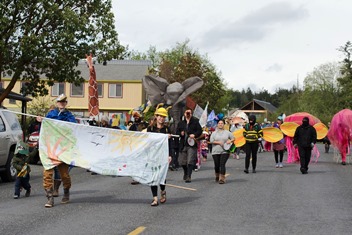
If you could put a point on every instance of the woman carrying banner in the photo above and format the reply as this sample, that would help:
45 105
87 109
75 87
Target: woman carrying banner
160 127
219 139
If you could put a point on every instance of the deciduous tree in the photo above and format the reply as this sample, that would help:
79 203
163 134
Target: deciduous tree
46 38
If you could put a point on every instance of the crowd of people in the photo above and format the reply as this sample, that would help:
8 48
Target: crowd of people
189 146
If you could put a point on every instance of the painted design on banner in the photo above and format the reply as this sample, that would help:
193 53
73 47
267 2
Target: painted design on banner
142 156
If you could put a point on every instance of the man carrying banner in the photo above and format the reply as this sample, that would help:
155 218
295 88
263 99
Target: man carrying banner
159 126
189 130
62 114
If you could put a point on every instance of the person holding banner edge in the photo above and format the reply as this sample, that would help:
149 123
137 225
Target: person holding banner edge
62 114
159 126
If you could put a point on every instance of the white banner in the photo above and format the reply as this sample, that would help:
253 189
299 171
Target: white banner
142 156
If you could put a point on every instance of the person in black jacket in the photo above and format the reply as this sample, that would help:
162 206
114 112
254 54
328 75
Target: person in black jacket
189 130
159 126
138 124
305 138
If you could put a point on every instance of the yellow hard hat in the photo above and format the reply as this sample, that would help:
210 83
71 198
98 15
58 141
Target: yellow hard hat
161 112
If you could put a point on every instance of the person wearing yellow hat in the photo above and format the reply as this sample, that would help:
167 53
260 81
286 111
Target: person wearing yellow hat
160 127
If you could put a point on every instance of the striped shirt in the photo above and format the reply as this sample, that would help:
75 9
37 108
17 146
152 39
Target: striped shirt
252 133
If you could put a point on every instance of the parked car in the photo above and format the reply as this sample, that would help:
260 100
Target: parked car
10 133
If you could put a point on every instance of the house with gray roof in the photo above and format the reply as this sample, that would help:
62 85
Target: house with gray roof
259 108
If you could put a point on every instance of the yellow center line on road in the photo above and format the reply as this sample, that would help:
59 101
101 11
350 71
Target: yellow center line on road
137 230
176 186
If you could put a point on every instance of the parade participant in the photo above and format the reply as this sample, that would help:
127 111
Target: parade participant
279 146
138 125
20 162
236 126
62 114
204 146
34 126
92 122
175 153
159 126
105 122
305 138
327 142
189 130
129 124
220 155
199 153
252 132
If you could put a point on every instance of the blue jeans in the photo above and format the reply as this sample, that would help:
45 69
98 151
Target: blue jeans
22 181
56 174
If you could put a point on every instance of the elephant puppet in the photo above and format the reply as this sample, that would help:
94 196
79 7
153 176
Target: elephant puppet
160 91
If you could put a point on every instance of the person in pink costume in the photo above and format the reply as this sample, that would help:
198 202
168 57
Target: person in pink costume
340 132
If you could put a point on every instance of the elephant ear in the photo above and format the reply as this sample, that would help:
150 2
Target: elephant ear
190 85
155 88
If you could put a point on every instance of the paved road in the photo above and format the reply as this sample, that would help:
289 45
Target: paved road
272 201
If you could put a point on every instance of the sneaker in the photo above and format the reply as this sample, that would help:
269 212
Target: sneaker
277 165
15 196
237 157
188 180
254 171
281 165
343 163
246 171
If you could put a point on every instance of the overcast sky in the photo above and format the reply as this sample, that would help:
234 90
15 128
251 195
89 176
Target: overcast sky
263 44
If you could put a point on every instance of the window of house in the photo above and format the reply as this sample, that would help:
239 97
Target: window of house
115 90
57 89
77 90
100 89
